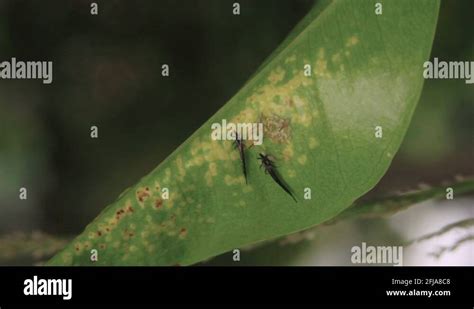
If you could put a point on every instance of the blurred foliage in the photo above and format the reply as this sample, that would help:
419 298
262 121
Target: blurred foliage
26 249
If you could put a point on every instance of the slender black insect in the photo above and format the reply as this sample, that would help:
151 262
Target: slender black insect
241 147
270 168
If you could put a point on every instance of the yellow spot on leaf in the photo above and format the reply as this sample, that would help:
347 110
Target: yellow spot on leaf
170 202
336 57
288 152
313 143
211 172
291 173
263 97
320 68
157 186
276 75
213 151
229 180
301 115
67 258
247 115
181 169
195 161
302 159
247 189
87 245
290 59
353 40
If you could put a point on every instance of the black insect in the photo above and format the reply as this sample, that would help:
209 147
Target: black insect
270 168
241 147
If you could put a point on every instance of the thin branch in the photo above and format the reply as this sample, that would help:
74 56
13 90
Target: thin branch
463 224
23 248
444 249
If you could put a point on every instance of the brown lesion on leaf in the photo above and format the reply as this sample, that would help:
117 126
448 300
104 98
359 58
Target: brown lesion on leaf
102 246
276 128
119 213
158 203
128 234
143 194
183 232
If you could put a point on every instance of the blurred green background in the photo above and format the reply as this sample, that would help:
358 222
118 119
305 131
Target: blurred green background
107 72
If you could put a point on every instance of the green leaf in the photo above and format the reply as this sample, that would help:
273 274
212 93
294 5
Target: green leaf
366 72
